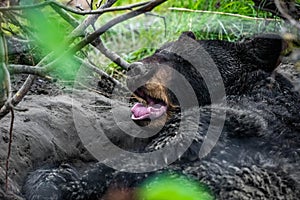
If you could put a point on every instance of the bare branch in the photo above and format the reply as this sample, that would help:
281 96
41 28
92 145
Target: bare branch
110 54
26 69
44 72
90 38
9 147
104 10
65 15
67 8
76 32
18 96
283 10
98 71
90 20
98 43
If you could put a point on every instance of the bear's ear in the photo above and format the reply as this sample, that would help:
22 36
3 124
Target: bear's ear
183 35
189 34
264 50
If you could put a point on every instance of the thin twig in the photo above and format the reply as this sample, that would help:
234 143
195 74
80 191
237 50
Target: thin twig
90 20
43 72
101 11
79 30
97 70
18 96
90 38
286 15
98 42
221 13
162 17
65 15
67 8
27 69
9 147
110 54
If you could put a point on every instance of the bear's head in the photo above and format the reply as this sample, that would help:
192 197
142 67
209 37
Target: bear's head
156 81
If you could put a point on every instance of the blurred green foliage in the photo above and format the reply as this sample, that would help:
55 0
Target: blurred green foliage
175 187
48 33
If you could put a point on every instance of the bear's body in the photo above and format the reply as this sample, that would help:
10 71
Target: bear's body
258 153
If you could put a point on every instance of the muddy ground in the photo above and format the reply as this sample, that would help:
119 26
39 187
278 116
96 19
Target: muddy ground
44 134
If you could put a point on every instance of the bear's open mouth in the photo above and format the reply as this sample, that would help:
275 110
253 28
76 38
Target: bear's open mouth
150 108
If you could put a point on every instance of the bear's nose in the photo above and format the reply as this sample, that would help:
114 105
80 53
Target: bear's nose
134 74
136 69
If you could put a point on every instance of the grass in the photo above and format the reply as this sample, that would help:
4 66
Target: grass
139 37
244 7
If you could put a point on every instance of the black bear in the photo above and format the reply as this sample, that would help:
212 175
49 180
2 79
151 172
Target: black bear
257 154
235 61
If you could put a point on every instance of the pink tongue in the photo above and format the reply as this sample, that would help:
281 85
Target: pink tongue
139 111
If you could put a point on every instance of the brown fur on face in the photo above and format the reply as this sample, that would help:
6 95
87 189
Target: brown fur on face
156 88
